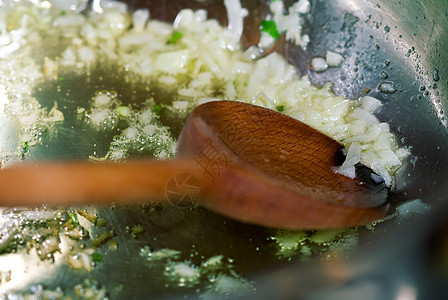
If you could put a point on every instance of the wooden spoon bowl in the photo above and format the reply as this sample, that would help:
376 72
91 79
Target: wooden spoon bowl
273 170
243 161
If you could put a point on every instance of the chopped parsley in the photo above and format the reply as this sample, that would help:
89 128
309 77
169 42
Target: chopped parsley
74 219
270 27
97 257
175 37
280 108
158 109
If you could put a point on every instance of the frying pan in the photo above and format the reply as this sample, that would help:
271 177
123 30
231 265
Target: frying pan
408 41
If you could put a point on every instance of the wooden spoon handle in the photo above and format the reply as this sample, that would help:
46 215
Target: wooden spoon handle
76 183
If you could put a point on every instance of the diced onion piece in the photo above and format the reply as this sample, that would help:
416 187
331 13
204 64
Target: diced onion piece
334 59
266 40
181 105
139 19
185 270
389 159
123 111
172 62
55 115
370 104
89 34
379 168
305 40
183 19
319 64
236 15
402 153
102 100
253 52
50 69
361 114
277 7
160 28
99 116
228 285
385 127
86 55
70 20
353 157
303 6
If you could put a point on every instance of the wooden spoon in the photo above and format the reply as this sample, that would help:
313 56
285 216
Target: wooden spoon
243 161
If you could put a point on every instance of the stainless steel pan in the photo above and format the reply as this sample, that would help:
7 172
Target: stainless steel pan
405 41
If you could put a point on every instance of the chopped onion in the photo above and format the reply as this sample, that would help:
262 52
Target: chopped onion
319 64
235 15
171 62
139 19
181 105
389 159
266 40
302 6
361 114
102 100
370 104
253 52
334 59
353 157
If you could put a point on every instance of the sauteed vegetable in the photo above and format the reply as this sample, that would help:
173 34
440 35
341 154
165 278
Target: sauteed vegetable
134 79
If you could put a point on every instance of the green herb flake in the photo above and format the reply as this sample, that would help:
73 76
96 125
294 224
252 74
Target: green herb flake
280 108
60 78
158 109
74 217
175 37
26 146
270 27
97 257
63 13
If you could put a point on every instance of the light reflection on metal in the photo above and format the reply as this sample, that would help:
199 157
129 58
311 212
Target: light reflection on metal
406 292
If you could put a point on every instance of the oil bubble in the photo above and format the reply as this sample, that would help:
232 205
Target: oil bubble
435 75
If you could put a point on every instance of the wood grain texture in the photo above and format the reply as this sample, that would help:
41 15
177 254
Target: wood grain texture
281 171
247 162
